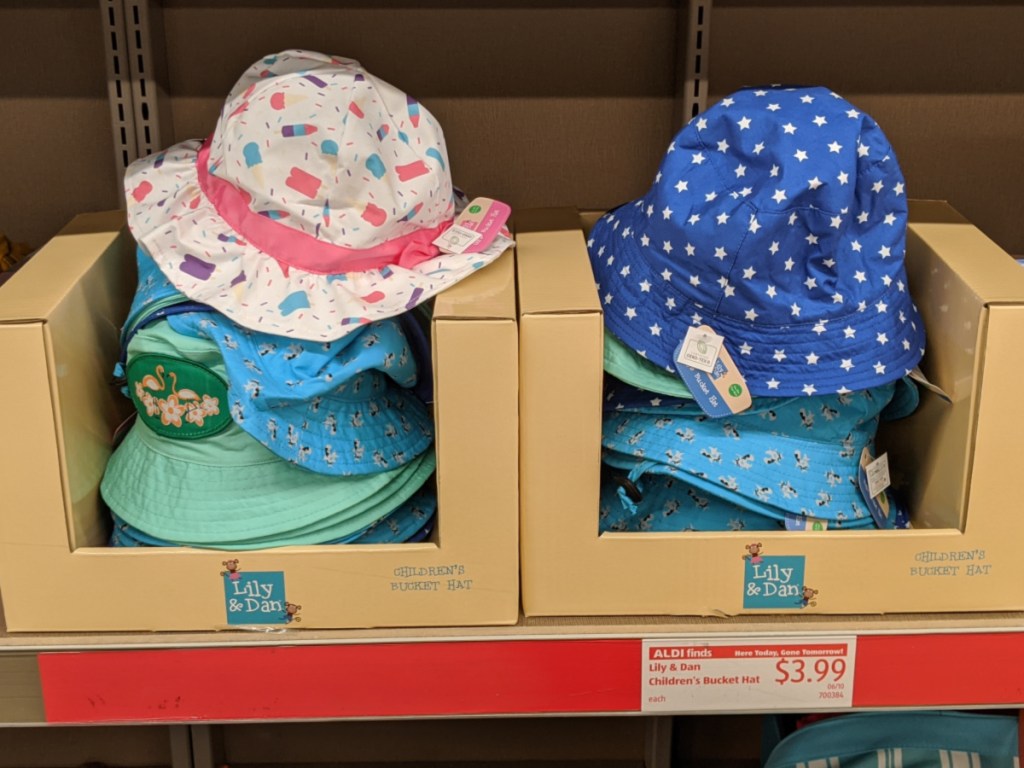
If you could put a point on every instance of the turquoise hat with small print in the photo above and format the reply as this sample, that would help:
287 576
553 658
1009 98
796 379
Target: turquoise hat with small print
656 502
187 473
796 456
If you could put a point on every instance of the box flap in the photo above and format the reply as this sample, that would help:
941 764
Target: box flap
554 270
989 271
489 293
32 293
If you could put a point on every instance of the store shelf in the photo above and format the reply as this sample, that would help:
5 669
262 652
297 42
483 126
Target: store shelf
541 666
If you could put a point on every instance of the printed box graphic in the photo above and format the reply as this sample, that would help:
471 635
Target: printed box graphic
774 582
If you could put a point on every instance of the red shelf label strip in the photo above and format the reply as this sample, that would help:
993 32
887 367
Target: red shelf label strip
374 680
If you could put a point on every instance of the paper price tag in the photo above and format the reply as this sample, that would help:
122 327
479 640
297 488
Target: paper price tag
878 475
456 239
725 674
873 481
700 349
704 364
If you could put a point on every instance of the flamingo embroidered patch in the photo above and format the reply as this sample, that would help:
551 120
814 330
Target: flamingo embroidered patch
178 398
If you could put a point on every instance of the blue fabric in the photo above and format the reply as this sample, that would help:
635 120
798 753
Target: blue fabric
906 739
657 502
337 408
783 455
778 218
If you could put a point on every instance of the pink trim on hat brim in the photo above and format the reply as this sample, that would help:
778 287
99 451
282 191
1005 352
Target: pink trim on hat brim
294 248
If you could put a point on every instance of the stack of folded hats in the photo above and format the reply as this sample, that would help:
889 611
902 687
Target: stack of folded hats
777 224
275 351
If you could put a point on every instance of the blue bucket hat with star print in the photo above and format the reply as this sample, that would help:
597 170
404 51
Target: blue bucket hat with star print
783 456
778 218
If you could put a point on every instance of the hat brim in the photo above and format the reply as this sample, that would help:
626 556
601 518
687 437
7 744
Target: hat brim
265 499
627 366
858 350
210 263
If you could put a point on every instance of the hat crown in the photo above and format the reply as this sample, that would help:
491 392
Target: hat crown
780 206
317 144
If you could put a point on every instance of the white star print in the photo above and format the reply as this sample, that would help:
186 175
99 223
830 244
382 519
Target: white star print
774 247
690 249
779 195
879 368
759 148
741 170
819 120
811 239
881 307
812 359
625 233
881 338
655 401
855 245
837 298
906 344
728 102
696 318
645 241
843 391
900 287
890 219
819 327
754 226
694 280
898 188
792 219
862 217
886 280
814 183
773 107
760 93
667 246
750 314
849 333
809 389
608 298
645 287
667 213
710 196
624 271
780 355
810 282
794 309
697 158
884 252
720 253
835 146
789 128
843 177
829 262
847 363
702 124
722 217
693 219
772 383
774 171
800 155
852 113
723 146
666 275
745 349
743 123
729 291
788 263
836 222
806 98
771 291
650 211
862 150
630 313
745 191
748 273
655 330
670 303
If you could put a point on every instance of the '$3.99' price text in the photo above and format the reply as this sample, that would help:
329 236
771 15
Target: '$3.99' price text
799 671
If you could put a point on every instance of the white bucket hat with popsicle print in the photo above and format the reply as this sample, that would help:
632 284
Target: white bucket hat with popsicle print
311 209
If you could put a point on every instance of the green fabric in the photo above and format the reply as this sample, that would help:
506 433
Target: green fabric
227 490
626 365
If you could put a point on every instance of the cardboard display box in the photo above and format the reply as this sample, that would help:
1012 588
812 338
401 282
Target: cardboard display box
59 322
953 460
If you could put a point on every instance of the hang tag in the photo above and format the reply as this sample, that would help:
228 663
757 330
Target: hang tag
707 368
484 217
796 522
456 239
873 480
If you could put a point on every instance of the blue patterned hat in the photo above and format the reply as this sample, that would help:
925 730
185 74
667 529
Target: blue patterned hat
778 218
796 455
659 502
338 408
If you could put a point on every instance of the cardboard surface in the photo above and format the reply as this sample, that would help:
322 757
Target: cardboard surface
56 572
950 459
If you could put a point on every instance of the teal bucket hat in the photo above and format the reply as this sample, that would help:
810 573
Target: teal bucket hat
186 473
629 367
